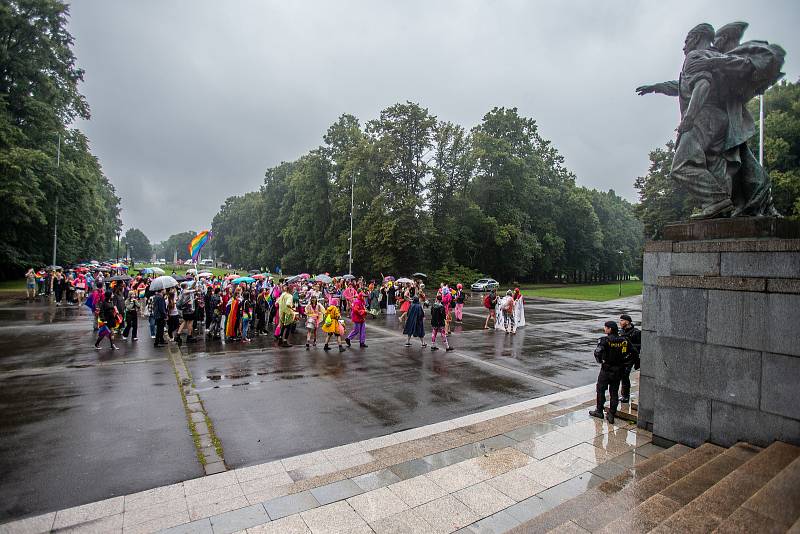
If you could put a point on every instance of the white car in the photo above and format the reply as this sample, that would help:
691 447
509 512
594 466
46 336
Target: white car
485 284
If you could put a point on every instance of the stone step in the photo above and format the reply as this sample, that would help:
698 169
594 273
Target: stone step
775 507
656 509
600 505
718 502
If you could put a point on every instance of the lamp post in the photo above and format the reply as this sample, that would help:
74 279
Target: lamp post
117 246
55 218
352 203
620 271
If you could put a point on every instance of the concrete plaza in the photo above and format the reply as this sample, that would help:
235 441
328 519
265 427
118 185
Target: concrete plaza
84 425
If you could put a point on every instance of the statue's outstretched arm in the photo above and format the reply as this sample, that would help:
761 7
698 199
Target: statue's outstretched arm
669 88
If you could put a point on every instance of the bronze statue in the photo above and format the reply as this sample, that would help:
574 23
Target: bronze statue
712 159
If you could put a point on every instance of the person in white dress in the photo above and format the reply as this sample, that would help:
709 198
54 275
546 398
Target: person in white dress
519 309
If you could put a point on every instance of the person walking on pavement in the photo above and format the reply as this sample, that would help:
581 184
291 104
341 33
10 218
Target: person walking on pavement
415 323
132 307
30 284
286 314
438 324
358 314
634 337
160 316
106 322
610 353
332 327
490 303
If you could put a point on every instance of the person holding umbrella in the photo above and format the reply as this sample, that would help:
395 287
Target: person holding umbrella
160 315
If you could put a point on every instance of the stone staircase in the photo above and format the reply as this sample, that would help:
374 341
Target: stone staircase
707 489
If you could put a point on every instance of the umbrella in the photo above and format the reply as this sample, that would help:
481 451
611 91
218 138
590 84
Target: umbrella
324 278
231 276
163 282
403 280
191 271
94 262
388 278
419 275
259 276
119 278
349 277
179 278
157 270
146 270
53 268
245 279
293 279
205 275
254 271
304 275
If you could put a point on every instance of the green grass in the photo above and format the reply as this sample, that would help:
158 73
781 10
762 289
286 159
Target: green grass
13 286
597 292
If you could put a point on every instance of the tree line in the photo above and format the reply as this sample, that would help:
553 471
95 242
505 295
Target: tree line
430 195
39 100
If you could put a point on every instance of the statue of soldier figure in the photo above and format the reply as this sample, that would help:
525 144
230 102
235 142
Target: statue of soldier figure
712 159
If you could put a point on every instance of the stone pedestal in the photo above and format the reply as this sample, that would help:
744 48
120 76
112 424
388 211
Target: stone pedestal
721 333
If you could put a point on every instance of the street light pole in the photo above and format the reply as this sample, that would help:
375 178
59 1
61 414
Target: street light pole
55 218
620 271
352 204
117 247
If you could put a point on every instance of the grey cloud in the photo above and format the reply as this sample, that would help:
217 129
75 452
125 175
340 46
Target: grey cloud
192 101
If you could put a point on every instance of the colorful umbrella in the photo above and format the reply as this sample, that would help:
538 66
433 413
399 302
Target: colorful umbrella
404 280
205 275
245 279
259 276
388 278
324 278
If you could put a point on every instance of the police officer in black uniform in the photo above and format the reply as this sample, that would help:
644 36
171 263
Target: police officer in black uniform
634 337
610 353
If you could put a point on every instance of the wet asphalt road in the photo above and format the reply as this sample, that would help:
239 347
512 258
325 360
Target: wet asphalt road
81 425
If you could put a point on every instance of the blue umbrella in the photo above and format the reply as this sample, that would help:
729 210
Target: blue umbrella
245 279
146 270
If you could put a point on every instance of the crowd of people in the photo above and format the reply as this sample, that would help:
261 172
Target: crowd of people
234 308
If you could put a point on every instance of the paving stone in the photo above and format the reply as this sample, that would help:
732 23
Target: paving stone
265 483
31 525
569 463
292 524
316 470
531 431
203 526
336 491
103 525
214 496
405 522
214 468
217 507
151 497
303 460
447 512
376 479
544 474
345 462
156 524
198 417
411 468
164 508
484 499
192 398
88 512
201 428
453 478
494 524
569 489
649 449
443 459
377 504
252 472
528 509
609 470
290 504
335 517
240 519
195 407
416 491
516 485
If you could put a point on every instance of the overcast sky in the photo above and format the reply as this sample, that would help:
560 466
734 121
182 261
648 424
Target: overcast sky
193 100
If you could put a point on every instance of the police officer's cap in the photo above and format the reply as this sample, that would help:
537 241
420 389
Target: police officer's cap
612 325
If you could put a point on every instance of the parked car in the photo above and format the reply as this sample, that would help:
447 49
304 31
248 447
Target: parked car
485 284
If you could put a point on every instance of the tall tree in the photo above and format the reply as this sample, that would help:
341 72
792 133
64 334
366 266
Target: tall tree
138 244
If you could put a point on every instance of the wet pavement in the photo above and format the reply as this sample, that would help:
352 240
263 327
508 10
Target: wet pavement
81 425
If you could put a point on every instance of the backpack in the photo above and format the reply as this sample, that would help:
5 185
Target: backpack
487 302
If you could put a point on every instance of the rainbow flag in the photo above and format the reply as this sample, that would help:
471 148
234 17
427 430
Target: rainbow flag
197 243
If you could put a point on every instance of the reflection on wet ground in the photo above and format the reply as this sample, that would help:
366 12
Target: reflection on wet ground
81 425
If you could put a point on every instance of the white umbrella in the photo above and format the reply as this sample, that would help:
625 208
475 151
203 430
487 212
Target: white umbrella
162 282
158 270
191 271
402 280
205 275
